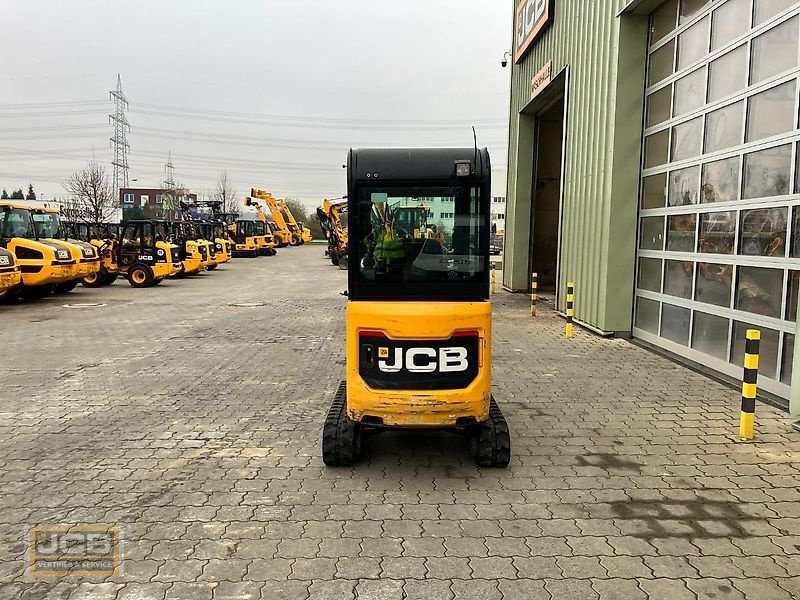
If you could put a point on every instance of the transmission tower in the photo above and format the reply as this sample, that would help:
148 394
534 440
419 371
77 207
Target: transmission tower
169 169
170 201
120 139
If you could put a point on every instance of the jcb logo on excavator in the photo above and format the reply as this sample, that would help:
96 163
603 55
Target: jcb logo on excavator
424 360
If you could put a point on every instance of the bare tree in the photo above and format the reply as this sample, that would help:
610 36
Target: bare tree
91 193
226 193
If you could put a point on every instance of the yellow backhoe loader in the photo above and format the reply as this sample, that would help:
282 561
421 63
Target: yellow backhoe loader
330 220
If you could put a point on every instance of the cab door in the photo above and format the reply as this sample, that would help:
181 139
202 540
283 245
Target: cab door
130 244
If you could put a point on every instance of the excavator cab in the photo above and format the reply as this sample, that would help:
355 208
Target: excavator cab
245 238
419 320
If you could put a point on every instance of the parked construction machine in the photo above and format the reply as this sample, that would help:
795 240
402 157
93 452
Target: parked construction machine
215 232
284 235
43 263
145 256
330 220
192 254
48 226
419 320
10 275
104 237
296 227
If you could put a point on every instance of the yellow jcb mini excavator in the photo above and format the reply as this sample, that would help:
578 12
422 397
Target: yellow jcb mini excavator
43 263
419 320
10 276
330 220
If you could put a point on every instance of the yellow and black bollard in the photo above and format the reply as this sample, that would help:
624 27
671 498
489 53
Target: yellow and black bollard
570 308
494 278
747 419
534 293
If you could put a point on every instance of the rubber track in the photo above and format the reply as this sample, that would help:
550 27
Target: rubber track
339 442
494 440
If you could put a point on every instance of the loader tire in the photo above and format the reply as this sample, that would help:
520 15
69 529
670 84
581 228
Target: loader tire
493 440
140 276
109 278
95 280
341 437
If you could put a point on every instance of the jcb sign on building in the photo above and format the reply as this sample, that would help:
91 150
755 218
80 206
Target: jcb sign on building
532 17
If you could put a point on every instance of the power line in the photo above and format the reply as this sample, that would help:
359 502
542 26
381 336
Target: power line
310 119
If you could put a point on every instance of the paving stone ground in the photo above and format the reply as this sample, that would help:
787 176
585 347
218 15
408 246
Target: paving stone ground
189 415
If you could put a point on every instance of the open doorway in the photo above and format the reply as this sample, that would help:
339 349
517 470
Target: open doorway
546 194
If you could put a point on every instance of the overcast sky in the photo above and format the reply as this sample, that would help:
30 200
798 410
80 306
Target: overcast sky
274 91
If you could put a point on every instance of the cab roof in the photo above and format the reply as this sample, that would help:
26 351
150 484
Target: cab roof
416 164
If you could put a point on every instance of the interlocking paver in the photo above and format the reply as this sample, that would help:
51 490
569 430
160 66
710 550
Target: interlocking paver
201 441
415 589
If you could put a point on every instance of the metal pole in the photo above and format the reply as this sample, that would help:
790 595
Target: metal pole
570 308
747 417
534 292
794 397
494 278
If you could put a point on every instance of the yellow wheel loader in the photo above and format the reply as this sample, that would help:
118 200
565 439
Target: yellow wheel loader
419 320
214 231
104 237
193 256
43 263
144 255
10 275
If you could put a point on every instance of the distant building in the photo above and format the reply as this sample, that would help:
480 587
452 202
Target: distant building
156 202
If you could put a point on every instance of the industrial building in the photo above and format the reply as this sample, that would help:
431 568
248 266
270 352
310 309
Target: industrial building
653 160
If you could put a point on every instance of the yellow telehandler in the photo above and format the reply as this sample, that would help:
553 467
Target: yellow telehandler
284 236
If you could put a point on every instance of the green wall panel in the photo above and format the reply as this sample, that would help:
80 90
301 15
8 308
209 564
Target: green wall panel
601 57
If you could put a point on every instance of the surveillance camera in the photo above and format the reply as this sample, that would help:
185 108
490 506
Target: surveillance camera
504 63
